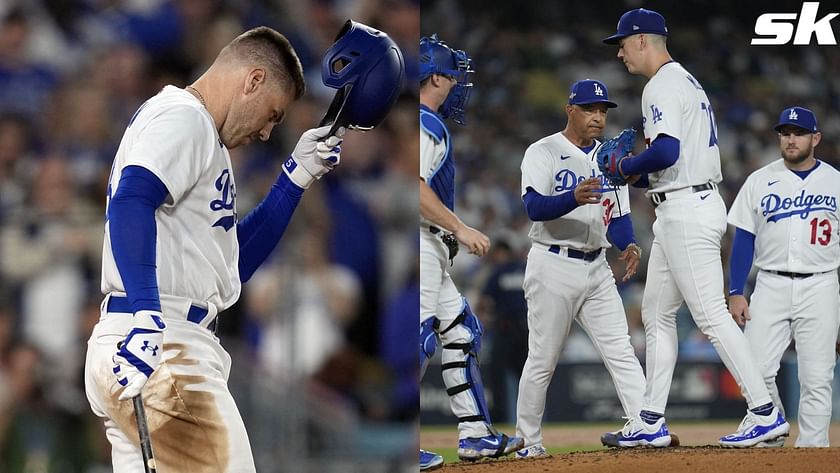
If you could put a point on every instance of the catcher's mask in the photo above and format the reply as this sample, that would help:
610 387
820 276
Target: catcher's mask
367 68
438 58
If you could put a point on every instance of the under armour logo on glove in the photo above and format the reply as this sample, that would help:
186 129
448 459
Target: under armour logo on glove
137 356
146 346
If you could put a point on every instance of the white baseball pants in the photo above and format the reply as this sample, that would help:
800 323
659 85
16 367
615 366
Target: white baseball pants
805 309
194 423
685 264
559 290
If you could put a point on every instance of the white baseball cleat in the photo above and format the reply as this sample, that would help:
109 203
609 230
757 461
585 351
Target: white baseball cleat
534 451
755 429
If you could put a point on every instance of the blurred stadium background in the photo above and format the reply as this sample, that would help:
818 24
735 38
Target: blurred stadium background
526 55
321 371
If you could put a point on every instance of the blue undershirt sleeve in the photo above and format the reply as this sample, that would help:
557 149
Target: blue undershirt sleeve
541 208
662 154
620 231
133 230
643 182
740 261
260 230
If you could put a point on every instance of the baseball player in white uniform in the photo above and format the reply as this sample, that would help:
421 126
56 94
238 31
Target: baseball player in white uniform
683 166
567 277
786 217
444 312
175 254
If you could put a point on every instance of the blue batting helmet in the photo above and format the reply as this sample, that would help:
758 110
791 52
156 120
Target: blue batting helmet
438 58
368 69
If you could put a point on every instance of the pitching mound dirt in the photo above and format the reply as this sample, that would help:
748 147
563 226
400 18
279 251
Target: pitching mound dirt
707 459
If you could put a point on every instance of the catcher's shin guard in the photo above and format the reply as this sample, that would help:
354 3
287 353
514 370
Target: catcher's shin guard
461 342
428 342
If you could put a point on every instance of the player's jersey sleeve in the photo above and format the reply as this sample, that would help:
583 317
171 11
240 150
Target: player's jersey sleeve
431 153
537 170
741 214
662 106
168 143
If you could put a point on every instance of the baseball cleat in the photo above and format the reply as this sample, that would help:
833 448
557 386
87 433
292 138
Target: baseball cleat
430 461
610 439
775 443
755 429
490 446
638 433
534 451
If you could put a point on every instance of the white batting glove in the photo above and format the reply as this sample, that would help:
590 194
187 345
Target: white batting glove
139 355
315 155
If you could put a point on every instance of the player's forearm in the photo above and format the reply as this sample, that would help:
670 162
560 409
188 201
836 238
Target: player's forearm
620 231
131 221
433 210
662 154
740 261
260 231
541 208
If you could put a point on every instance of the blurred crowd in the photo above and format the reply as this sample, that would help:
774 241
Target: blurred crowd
526 55
317 338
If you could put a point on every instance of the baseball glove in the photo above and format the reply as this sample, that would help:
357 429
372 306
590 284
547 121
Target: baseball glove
610 153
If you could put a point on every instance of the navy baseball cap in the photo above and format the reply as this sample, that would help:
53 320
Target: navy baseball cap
589 91
638 21
798 116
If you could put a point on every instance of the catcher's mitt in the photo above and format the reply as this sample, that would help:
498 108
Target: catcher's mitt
610 153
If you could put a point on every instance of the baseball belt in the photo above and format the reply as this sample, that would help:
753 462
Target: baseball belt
657 198
792 275
196 314
576 254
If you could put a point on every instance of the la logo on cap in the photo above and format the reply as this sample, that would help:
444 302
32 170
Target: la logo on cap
598 90
793 115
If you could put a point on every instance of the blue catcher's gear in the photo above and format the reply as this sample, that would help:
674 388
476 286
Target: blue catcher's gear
368 69
438 58
461 342
428 342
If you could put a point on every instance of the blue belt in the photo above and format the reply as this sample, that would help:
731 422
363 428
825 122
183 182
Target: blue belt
577 254
195 315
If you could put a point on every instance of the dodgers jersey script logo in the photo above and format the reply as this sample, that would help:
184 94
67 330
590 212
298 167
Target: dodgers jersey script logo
796 221
226 202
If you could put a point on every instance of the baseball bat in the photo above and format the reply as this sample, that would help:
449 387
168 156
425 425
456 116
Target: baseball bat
145 438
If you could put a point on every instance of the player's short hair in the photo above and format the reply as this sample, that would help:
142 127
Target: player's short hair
265 47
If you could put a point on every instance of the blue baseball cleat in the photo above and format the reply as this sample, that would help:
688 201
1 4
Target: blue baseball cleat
638 433
756 429
490 446
430 461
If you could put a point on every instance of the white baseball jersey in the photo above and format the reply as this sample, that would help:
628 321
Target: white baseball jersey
674 104
560 289
173 136
554 166
685 262
795 221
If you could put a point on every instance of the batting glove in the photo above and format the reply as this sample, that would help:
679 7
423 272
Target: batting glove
314 155
139 355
